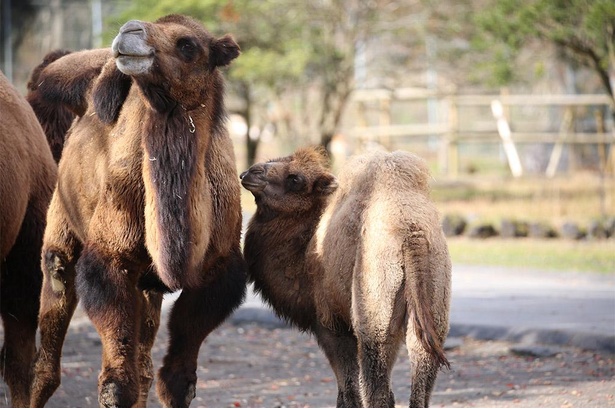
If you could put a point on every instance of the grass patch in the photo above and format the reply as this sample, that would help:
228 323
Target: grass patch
579 198
554 255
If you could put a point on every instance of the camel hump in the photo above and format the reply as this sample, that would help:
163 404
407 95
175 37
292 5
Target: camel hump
68 79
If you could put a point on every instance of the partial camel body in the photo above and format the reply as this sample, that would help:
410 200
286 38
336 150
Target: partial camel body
361 262
147 201
54 118
27 178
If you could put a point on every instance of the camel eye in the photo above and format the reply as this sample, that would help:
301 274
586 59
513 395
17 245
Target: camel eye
187 48
295 182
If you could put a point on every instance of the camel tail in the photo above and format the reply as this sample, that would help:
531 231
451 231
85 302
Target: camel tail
420 291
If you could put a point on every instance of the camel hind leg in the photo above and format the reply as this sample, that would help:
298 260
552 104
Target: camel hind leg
377 355
20 286
426 293
378 319
58 300
423 372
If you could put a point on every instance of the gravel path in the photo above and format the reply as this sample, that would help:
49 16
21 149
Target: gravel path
245 364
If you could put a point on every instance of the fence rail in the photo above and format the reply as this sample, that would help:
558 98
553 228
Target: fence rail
497 129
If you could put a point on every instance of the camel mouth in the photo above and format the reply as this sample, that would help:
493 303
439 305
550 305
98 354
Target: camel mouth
252 186
119 54
134 64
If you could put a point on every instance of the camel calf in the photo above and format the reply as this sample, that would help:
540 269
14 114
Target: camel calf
360 262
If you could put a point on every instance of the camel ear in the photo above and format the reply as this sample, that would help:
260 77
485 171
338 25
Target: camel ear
325 185
223 51
110 90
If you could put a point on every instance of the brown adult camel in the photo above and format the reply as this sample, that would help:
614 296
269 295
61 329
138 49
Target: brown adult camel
147 200
27 178
360 262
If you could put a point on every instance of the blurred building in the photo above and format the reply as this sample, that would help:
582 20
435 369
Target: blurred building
32 28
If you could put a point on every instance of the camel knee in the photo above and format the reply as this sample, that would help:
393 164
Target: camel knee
57 272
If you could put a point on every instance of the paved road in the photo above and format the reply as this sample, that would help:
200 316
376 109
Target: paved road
530 306
562 308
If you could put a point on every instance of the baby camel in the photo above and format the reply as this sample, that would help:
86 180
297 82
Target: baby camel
360 262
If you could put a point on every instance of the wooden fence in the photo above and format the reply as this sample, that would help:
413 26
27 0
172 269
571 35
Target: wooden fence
493 128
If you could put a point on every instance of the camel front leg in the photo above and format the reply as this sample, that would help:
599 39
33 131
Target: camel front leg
340 348
58 303
111 299
196 313
58 300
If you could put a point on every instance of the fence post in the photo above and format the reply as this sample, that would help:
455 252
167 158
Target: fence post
384 120
556 154
451 139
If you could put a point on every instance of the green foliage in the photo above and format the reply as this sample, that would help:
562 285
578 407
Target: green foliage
584 30
265 31
151 10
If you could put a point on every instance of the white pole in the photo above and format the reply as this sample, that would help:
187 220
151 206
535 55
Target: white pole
97 26
509 145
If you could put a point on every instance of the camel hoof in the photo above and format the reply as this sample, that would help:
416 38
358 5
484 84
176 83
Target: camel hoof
176 389
111 396
190 393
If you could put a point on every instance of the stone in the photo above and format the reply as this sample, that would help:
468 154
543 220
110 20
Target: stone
596 230
541 231
513 228
572 231
453 225
482 231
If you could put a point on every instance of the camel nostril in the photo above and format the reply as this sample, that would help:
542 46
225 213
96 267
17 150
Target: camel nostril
244 173
139 32
256 170
135 27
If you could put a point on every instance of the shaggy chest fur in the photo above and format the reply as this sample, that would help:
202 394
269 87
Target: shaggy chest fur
153 171
176 190
279 272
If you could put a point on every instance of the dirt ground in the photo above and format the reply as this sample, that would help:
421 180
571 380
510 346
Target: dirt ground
260 365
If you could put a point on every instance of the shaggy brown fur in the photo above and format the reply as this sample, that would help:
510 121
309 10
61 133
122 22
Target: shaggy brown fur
147 200
55 119
27 177
361 268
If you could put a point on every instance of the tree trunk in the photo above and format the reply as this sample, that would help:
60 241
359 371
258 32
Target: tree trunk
251 144
334 102
252 147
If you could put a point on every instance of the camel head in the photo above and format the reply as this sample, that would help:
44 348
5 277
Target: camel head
293 184
173 60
